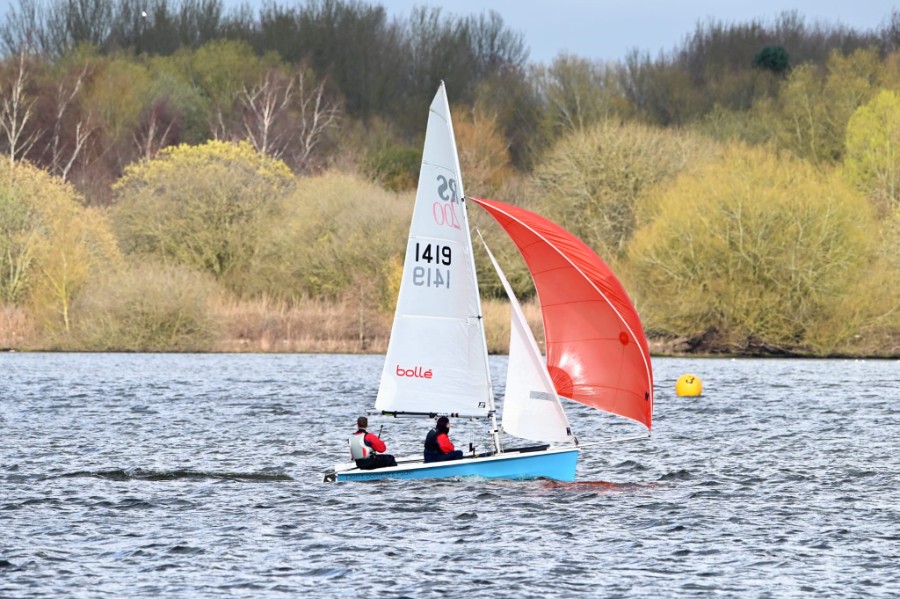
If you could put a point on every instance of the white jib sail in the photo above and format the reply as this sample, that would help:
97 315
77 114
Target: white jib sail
437 356
531 407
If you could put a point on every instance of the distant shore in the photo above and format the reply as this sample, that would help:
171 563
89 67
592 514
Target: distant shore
335 328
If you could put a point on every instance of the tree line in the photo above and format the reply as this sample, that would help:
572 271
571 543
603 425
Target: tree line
744 184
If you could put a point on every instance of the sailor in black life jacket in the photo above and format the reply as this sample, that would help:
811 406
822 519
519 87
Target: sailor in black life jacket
438 447
366 448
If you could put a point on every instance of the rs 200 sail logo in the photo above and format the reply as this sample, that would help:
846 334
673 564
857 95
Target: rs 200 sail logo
444 210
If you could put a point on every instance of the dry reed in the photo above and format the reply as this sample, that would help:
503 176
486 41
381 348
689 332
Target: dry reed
319 326
497 324
309 326
16 329
306 326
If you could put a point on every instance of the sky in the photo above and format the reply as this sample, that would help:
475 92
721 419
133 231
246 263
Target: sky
609 29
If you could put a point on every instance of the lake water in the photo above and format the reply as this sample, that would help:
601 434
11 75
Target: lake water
201 476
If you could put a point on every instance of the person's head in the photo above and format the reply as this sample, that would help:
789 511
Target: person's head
362 422
443 424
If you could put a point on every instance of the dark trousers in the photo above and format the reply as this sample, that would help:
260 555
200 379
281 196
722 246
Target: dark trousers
437 456
381 460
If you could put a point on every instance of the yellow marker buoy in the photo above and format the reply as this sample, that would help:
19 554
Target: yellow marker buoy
688 385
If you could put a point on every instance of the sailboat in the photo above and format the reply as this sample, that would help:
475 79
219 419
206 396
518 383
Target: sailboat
437 358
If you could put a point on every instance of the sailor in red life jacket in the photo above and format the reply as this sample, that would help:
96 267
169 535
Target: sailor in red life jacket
366 448
438 447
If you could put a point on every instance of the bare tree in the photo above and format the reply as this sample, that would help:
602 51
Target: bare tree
63 155
579 92
16 110
157 131
73 22
265 109
890 33
317 114
22 26
285 119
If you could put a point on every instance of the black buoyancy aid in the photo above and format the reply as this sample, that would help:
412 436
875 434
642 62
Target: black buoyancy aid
431 443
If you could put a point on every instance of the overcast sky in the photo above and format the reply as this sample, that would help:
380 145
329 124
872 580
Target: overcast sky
608 29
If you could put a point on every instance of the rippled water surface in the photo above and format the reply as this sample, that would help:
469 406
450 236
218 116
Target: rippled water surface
201 476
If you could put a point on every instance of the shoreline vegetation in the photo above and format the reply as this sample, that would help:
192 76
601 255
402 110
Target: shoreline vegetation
204 180
320 327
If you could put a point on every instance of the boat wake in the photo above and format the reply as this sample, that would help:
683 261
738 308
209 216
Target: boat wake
119 474
595 485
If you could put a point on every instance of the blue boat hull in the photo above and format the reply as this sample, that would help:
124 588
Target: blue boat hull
555 464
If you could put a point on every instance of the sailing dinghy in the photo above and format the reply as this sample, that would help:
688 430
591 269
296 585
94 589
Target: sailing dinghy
437 359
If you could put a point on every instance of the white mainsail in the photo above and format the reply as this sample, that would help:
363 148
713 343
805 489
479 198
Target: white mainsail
437 356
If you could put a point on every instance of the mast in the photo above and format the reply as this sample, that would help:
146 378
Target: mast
492 412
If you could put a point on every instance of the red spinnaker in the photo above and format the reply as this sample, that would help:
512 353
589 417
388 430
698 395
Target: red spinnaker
597 352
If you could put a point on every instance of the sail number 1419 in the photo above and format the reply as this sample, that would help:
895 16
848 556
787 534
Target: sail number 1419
436 256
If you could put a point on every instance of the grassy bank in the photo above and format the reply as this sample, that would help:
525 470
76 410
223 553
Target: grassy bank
308 326
324 327
354 327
